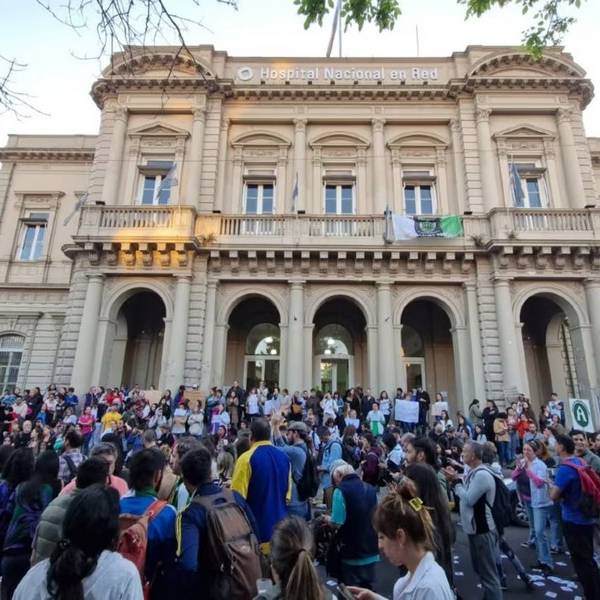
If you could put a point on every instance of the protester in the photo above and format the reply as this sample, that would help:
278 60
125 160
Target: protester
354 503
578 527
83 564
71 457
406 537
476 493
263 477
50 529
582 449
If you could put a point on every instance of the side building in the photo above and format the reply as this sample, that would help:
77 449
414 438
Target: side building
227 223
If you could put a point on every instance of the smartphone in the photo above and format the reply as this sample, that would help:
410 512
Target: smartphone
343 592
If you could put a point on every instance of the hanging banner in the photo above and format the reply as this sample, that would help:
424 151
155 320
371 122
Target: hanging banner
408 228
406 411
581 414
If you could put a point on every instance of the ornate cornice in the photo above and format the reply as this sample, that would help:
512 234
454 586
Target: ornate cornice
64 154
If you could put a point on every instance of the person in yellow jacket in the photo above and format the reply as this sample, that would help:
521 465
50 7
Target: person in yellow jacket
111 416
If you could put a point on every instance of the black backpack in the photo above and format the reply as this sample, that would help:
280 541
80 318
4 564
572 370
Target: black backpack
502 507
308 484
72 469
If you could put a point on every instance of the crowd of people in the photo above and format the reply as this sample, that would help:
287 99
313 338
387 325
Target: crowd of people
124 494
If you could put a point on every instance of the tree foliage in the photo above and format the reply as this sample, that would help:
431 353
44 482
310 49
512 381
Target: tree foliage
549 19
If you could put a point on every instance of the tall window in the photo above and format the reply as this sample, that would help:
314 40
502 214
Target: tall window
339 198
31 246
157 182
527 183
419 194
259 198
11 351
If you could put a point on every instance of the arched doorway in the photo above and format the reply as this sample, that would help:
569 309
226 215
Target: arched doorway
134 342
427 349
253 344
549 349
339 346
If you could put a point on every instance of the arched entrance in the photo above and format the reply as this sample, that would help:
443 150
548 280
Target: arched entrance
427 353
137 346
550 350
339 346
253 344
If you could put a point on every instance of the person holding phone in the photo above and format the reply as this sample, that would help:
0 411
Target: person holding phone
406 537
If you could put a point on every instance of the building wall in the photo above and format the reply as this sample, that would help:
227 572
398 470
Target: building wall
483 109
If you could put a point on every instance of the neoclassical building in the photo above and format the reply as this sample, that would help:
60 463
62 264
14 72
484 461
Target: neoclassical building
227 223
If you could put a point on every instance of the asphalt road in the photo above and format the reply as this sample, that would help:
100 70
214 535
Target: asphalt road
562 586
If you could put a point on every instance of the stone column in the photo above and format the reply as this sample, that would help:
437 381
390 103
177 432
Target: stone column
316 204
571 170
236 202
379 170
86 342
178 338
295 335
553 182
300 163
509 345
487 166
206 370
399 352
221 167
462 372
220 347
308 356
475 340
458 164
194 162
114 168
282 198
592 295
362 205
397 196
443 195
372 360
385 336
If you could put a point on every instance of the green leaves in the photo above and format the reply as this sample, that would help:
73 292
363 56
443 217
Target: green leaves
551 19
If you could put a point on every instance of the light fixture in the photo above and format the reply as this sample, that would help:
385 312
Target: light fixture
330 342
327 350
269 340
273 351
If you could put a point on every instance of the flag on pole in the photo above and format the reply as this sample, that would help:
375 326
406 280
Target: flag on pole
411 227
80 202
515 183
295 195
169 181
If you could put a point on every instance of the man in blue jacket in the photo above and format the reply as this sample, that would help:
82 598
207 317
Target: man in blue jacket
196 468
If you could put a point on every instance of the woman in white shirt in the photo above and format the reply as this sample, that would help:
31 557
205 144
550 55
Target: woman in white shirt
179 419
385 406
405 531
83 564
253 404
196 421
329 407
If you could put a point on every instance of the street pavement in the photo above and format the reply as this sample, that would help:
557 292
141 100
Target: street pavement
562 586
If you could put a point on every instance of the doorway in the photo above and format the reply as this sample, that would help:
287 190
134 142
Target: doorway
334 374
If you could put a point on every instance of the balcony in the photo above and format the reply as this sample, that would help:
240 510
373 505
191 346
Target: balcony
137 223
183 224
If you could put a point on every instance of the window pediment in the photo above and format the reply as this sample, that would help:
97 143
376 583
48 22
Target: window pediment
418 140
261 139
517 63
338 139
524 131
158 129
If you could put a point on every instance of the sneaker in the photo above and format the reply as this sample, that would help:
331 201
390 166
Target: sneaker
527 544
547 570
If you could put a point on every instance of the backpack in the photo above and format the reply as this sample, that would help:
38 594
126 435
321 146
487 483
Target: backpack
232 551
502 507
133 538
589 504
351 454
308 484
72 469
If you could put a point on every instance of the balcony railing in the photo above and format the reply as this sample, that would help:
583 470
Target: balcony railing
137 222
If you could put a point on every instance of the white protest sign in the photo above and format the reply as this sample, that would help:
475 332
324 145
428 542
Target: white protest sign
581 414
406 411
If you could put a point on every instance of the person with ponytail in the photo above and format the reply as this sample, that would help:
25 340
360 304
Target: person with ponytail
292 565
84 563
406 537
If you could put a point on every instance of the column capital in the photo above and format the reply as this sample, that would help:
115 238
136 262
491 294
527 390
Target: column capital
225 123
454 125
182 278
499 280
212 283
378 125
591 282
564 115
297 283
385 284
482 115
199 113
96 276
469 286
300 125
120 113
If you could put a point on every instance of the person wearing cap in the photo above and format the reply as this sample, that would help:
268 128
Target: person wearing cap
295 447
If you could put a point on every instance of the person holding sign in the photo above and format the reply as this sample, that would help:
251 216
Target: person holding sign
376 420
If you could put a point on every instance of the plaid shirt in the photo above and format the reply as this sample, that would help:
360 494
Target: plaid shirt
64 473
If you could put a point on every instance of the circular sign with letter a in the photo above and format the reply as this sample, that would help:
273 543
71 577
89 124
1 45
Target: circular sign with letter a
582 418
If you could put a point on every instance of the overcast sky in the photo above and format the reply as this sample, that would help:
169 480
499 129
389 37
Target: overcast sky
59 82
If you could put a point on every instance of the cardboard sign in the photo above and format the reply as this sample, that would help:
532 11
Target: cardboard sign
194 397
581 414
153 396
406 411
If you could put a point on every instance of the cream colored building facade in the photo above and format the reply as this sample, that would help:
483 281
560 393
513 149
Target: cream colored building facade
227 223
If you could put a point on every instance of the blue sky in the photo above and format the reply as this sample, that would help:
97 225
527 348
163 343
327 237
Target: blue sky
59 82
